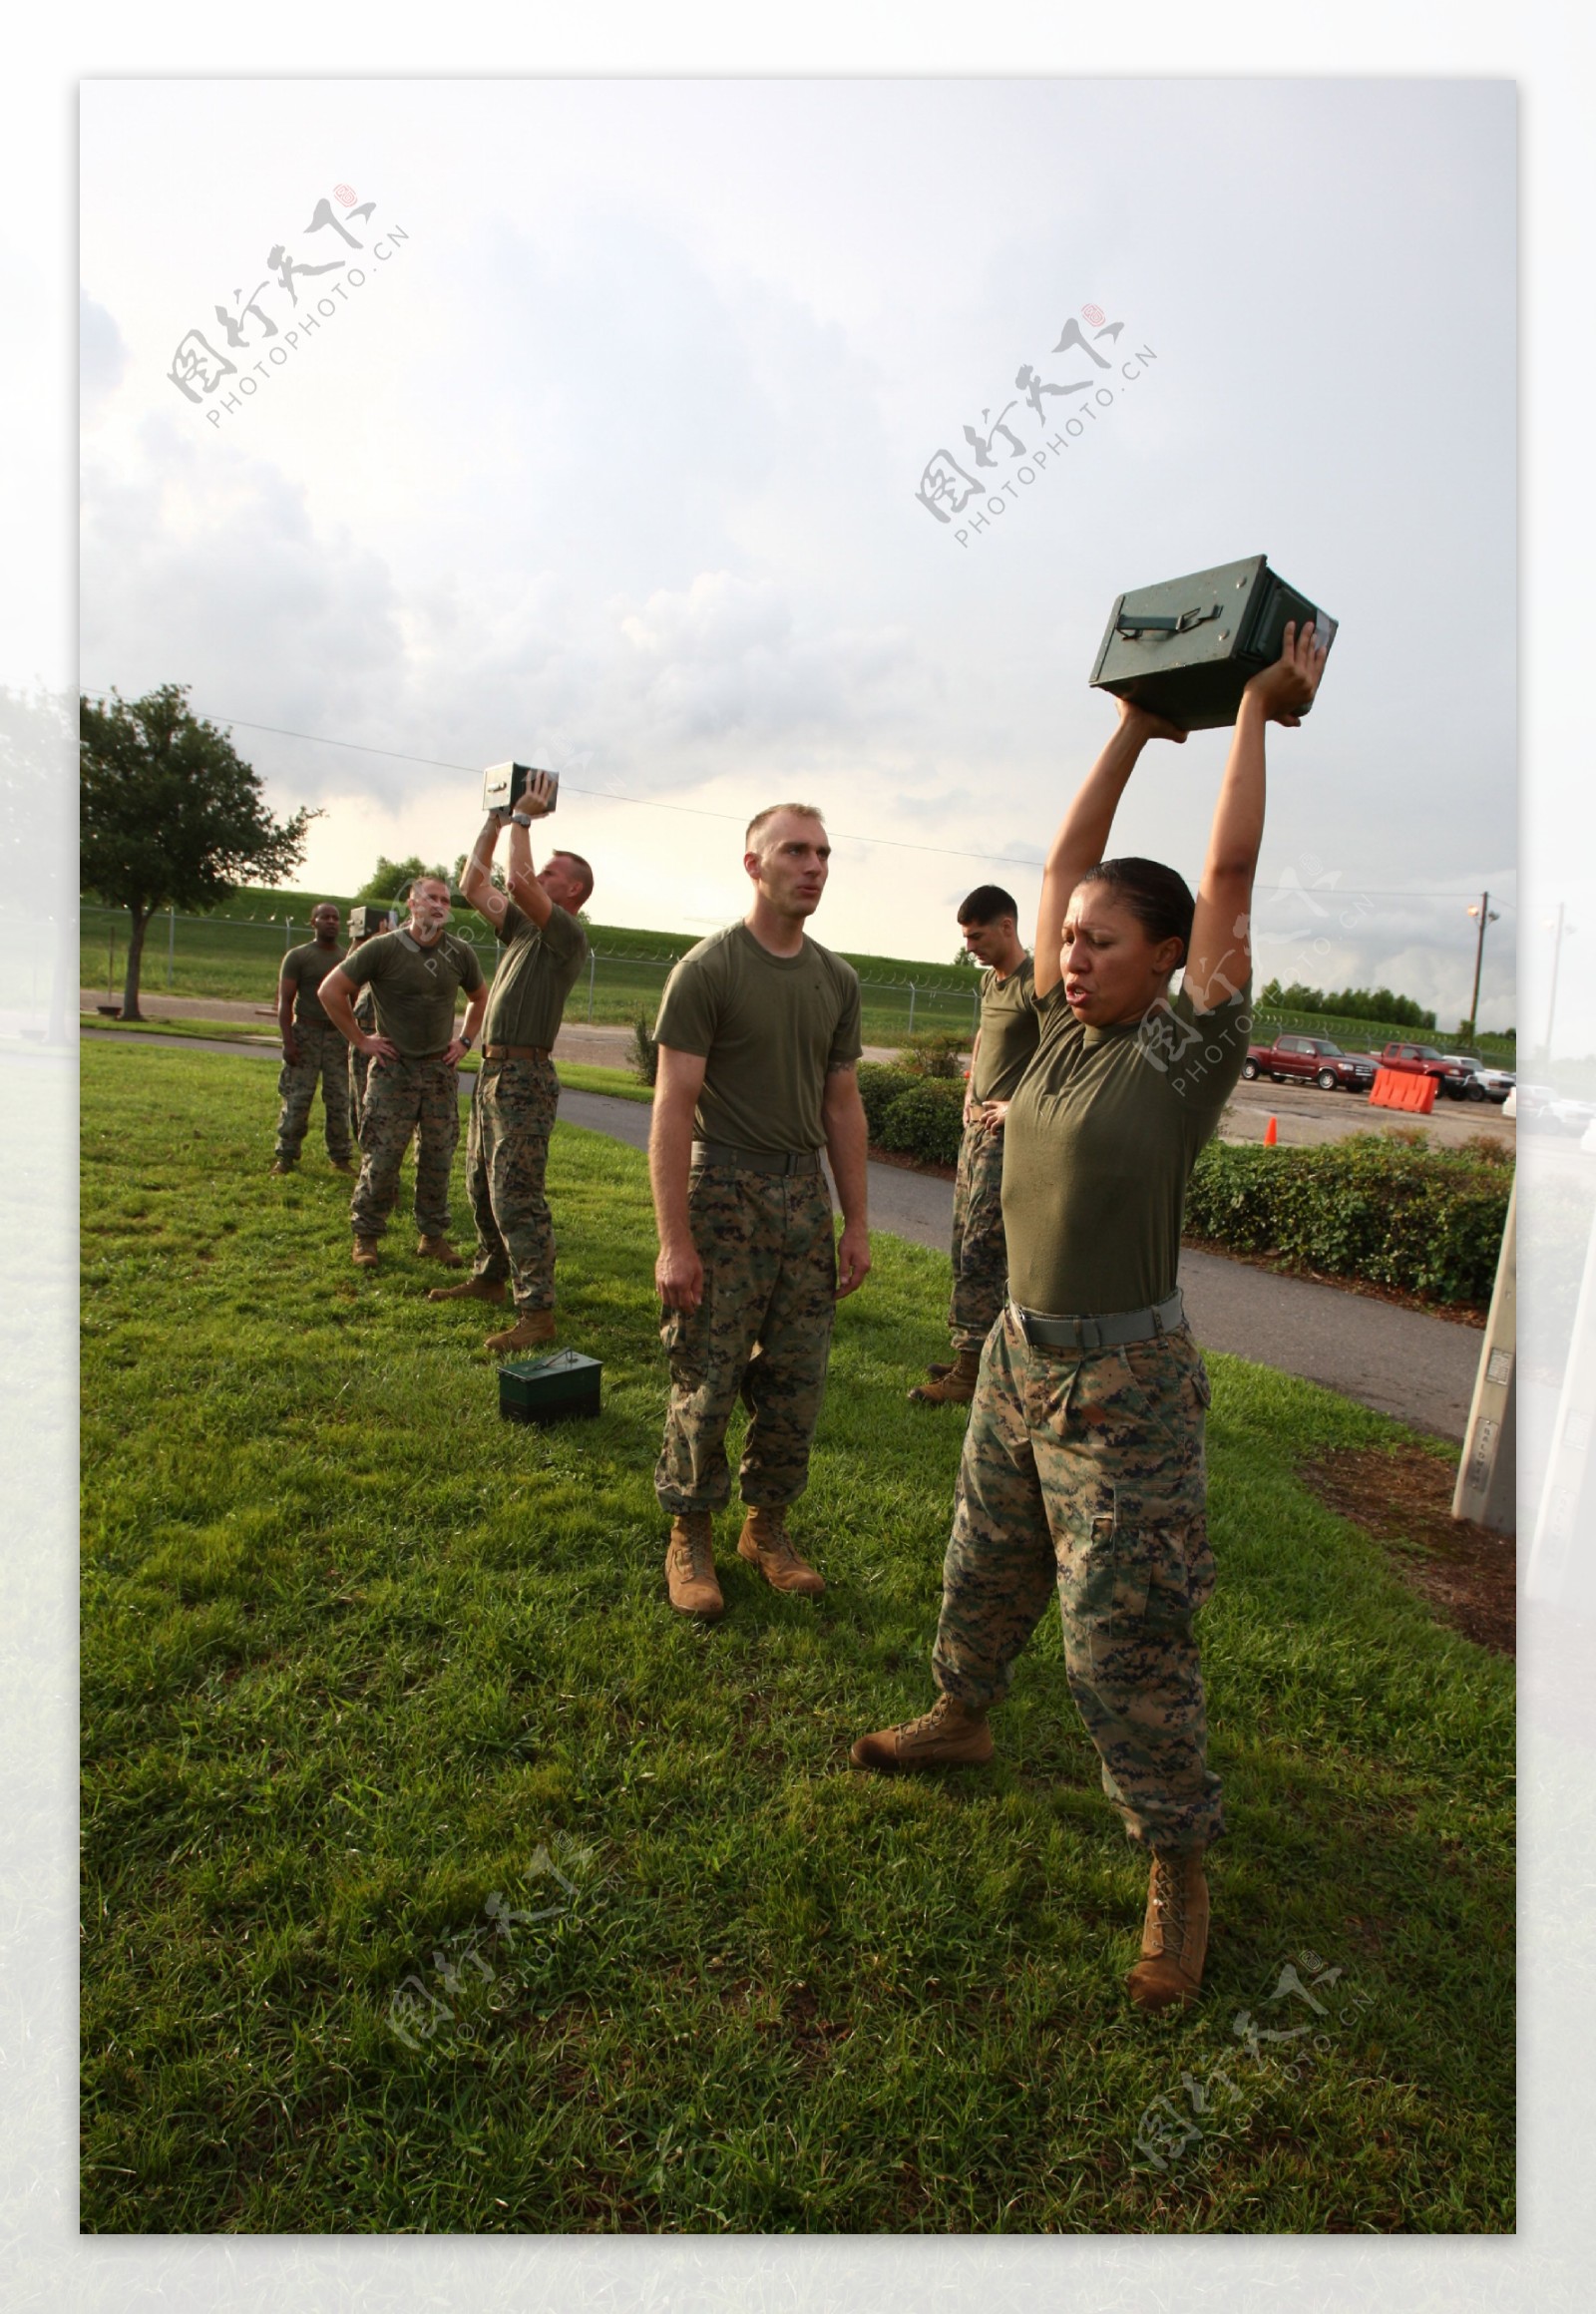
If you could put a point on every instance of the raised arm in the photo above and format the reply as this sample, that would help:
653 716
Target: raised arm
1220 958
680 1271
477 885
1083 838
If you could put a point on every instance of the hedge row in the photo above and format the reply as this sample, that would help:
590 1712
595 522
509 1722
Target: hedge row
1428 1220
1424 1219
919 1116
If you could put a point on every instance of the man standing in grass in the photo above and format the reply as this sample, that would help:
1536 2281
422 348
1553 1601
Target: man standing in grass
1004 1043
517 1092
413 1082
758 1037
313 1053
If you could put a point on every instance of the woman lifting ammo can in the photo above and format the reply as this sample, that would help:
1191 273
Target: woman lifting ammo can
1084 1461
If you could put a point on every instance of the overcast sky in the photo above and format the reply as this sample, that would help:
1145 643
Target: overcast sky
611 463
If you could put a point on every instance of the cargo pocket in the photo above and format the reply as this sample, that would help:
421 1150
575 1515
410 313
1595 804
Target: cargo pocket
1103 1585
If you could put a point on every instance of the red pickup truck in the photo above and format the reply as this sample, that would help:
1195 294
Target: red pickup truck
1310 1059
1451 1077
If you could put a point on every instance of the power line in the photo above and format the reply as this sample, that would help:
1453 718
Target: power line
738 819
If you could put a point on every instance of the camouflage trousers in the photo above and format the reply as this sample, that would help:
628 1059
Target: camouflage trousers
507 1152
322 1060
359 1063
979 1248
762 1333
405 1097
1086 1474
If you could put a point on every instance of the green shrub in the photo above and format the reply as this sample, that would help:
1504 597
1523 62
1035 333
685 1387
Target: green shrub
935 1053
1425 1221
926 1122
879 1086
645 1051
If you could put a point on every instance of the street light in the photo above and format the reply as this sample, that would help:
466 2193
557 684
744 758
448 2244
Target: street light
1486 915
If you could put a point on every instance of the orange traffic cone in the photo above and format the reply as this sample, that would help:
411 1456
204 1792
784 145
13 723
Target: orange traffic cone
1271 1133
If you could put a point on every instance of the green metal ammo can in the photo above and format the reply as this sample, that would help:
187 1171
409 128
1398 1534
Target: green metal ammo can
547 1390
1188 648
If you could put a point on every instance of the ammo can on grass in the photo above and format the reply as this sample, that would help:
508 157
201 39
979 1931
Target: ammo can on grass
1186 649
547 1390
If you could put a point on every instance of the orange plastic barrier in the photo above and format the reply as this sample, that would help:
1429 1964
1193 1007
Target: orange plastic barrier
1402 1088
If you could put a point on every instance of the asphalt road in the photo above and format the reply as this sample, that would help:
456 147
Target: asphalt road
1400 1362
1418 1368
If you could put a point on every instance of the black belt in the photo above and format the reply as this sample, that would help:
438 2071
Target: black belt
1087 1334
515 1053
757 1160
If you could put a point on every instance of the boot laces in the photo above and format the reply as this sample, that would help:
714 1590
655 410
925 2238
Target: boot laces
697 1545
1170 1902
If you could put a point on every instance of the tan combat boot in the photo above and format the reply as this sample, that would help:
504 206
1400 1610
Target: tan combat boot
766 1544
954 1387
365 1255
690 1567
950 1734
283 1166
473 1289
341 1165
438 1250
530 1327
1174 1931
937 1368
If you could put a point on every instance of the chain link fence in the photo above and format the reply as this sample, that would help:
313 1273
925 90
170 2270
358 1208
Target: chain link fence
235 959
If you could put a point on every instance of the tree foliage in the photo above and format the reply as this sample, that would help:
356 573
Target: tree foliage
1349 1004
170 815
390 876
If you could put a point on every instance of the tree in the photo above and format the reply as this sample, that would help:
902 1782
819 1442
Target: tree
170 814
390 876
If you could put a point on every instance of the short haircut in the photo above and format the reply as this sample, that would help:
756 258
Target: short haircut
321 904
1159 897
584 872
426 879
761 820
987 903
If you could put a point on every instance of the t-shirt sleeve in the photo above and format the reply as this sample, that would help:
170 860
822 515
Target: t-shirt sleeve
846 1042
470 970
562 936
689 1008
1206 1051
512 922
361 963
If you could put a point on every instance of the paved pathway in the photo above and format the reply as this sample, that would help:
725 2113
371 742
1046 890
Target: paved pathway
1400 1362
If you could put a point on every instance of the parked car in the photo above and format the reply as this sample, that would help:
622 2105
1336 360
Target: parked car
1497 1083
1451 1071
1477 1078
1311 1060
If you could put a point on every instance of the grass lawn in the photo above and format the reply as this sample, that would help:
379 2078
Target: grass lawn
437 1878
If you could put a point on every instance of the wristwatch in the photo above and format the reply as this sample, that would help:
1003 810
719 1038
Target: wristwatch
466 1043
522 818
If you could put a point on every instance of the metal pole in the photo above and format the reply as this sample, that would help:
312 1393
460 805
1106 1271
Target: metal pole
288 933
593 962
1479 959
911 1007
1487 1471
1557 950
172 942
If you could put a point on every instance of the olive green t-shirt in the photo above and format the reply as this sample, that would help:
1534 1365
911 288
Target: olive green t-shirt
1101 1138
770 1029
1009 1032
534 979
415 987
304 968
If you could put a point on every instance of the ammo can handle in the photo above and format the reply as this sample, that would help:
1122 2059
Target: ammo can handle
1162 622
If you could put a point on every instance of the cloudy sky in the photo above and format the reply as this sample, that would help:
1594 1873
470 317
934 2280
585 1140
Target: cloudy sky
611 461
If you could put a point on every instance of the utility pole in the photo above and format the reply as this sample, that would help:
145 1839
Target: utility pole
1487 914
